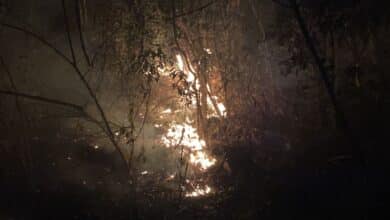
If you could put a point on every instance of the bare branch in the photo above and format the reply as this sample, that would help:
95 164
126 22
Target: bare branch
196 9
43 99
281 3
68 33
40 39
110 134
81 35
13 85
174 26
108 129
339 113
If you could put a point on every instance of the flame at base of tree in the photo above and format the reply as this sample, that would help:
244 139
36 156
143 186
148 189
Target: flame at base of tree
185 135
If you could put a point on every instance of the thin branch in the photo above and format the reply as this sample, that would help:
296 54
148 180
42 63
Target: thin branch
9 75
258 21
196 9
81 35
323 72
174 26
12 82
340 116
145 116
26 161
187 61
82 78
40 39
214 103
15 93
108 129
42 99
281 3
69 37
14 88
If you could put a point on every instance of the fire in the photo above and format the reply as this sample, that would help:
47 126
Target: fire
167 111
199 192
183 134
163 71
221 109
190 74
186 135
191 79
208 51
180 62
171 177
201 159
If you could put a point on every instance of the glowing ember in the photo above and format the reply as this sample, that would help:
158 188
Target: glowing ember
199 192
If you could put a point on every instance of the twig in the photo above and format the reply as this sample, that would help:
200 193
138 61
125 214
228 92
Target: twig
43 99
176 38
324 75
213 102
196 9
11 80
80 75
283 4
340 116
69 37
24 119
110 133
145 116
40 39
81 35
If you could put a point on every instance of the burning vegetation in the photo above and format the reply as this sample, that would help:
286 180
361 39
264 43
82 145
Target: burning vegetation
220 109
